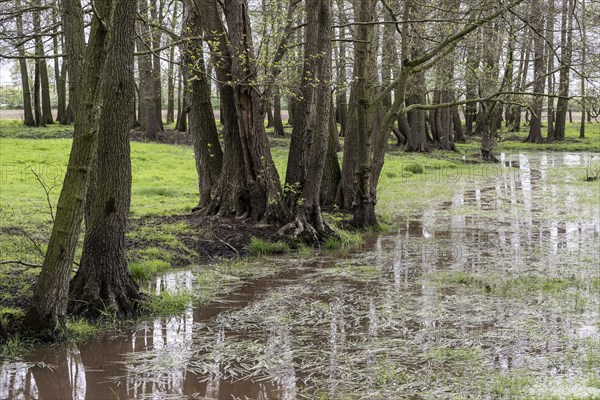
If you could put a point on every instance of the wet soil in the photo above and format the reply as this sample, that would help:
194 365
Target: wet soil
212 238
493 294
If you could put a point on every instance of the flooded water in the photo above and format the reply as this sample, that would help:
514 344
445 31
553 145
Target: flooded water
492 294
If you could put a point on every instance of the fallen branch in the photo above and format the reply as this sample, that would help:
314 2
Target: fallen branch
19 262
229 246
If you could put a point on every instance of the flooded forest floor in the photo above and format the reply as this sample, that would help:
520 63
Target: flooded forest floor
485 285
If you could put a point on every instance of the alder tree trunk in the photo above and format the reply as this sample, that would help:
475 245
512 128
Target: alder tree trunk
203 128
48 305
277 121
550 69
363 203
171 72
311 133
332 173
42 68
59 77
230 193
28 118
37 102
537 23
266 201
566 43
103 281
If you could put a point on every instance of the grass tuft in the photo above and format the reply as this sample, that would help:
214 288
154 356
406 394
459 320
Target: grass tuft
80 329
167 304
414 168
259 247
16 345
144 270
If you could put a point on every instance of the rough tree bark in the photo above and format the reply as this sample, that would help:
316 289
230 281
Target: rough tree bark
148 113
156 15
203 128
341 100
103 281
266 202
230 193
311 133
48 306
363 204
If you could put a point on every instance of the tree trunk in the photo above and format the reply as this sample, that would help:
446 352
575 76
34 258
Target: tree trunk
550 68
48 306
583 75
313 133
156 14
103 281
28 118
42 68
203 128
230 194
473 61
566 43
537 23
332 173
181 124
61 113
363 204
341 102
148 104
37 102
277 121
457 125
266 202
171 72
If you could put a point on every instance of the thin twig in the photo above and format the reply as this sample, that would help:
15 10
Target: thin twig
47 189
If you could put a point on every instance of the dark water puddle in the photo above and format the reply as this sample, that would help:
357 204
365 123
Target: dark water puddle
492 294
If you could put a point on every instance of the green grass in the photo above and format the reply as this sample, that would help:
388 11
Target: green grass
259 247
10 128
143 270
16 345
167 304
80 329
507 286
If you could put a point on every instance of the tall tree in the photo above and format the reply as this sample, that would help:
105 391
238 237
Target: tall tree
48 306
59 74
171 70
230 194
583 76
537 24
41 67
265 197
28 118
103 281
311 133
203 129
566 43
550 67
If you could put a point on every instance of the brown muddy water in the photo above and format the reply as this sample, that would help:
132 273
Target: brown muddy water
492 294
